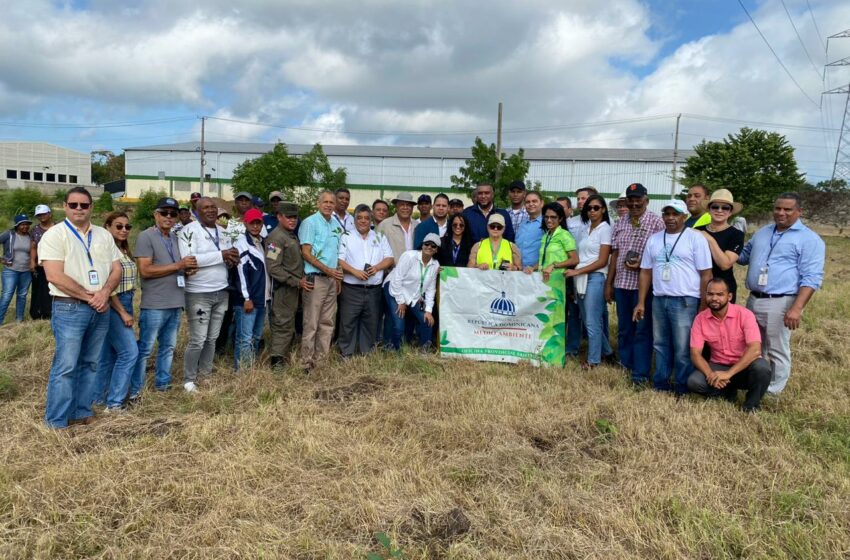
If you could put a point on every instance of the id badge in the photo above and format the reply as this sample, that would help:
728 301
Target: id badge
665 273
94 279
181 281
763 276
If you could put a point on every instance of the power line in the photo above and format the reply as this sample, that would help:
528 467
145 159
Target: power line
802 44
96 125
779 60
816 25
759 123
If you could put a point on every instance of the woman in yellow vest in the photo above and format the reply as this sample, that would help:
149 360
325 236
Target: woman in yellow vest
495 253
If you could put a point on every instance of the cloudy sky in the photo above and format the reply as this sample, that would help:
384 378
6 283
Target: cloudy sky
94 74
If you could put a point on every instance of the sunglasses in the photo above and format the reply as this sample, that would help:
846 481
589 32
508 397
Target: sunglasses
550 217
430 245
120 227
80 205
167 213
496 226
458 225
594 208
720 207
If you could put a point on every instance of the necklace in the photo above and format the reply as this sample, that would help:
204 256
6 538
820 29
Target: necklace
712 229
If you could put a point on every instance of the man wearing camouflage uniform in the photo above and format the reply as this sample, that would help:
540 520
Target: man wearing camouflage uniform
286 268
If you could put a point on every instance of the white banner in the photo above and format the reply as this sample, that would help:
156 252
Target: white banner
492 315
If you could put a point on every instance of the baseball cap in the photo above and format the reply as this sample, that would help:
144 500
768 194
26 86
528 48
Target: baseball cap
41 209
636 189
424 198
517 185
223 212
496 219
167 202
253 215
275 194
183 207
257 201
247 195
288 209
678 205
195 196
456 202
433 238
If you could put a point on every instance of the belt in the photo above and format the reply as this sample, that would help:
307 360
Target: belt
762 295
63 299
362 286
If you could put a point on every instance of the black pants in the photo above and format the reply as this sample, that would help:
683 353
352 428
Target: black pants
41 304
754 380
358 318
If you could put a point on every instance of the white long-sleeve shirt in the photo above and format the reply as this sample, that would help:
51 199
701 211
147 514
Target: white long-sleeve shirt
206 245
412 280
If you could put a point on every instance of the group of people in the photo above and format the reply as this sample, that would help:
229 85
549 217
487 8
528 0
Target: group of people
369 279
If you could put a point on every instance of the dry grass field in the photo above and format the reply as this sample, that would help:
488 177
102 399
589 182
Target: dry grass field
449 459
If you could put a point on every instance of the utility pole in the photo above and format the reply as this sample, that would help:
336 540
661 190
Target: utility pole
675 156
498 145
841 165
203 162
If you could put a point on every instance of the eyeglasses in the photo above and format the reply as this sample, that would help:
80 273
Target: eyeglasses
167 213
720 208
80 205
119 227
594 208
496 226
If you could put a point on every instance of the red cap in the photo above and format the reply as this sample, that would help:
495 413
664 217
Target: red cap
252 215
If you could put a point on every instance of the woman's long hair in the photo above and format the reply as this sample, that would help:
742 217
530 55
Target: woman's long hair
466 237
557 209
585 213
123 245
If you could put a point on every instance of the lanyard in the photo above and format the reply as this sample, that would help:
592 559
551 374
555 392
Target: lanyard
673 248
495 254
423 270
341 222
773 243
549 237
455 251
216 240
169 247
87 248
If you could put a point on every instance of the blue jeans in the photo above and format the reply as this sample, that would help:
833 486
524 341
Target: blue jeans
423 331
634 340
79 331
118 358
156 326
14 281
592 305
672 318
249 332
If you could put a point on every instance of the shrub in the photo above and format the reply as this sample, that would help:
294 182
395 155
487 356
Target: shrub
21 201
143 215
104 203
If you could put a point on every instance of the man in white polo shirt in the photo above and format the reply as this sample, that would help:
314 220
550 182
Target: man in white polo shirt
80 261
676 265
364 256
206 289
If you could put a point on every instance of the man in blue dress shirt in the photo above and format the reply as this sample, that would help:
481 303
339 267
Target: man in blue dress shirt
785 268
530 232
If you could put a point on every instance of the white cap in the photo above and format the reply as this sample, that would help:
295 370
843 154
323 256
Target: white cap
41 209
433 238
678 205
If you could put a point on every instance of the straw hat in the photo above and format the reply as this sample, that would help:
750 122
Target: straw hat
723 195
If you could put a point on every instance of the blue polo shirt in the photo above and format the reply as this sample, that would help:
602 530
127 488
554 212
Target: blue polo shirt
323 237
796 259
528 240
478 222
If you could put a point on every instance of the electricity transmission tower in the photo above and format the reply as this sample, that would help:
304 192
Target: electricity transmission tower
841 166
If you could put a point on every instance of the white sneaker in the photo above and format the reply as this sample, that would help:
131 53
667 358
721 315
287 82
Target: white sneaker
190 387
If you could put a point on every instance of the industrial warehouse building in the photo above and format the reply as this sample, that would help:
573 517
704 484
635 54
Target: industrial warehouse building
383 171
38 164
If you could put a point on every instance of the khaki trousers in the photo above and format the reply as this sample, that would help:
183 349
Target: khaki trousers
319 319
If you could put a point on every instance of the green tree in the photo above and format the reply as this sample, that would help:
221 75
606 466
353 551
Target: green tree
299 178
755 165
143 214
106 166
482 167
103 204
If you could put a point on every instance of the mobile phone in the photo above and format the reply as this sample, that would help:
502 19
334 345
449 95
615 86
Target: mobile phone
367 267
311 278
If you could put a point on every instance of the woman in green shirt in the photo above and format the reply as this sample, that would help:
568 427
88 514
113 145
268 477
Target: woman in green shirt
557 246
